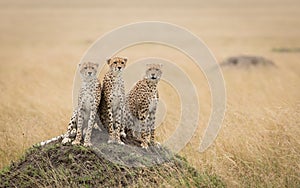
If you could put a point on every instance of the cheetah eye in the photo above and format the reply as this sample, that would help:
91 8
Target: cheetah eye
85 67
115 62
122 63
92 67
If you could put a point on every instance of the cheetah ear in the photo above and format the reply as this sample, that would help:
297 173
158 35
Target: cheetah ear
108 60
125 59
96 64
82 64
160 65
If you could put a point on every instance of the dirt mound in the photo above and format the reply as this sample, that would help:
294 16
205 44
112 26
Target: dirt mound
247 61
55 165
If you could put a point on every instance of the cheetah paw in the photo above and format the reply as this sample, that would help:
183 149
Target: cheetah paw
87 144
144 146
110 141
120 142
65 141
75 142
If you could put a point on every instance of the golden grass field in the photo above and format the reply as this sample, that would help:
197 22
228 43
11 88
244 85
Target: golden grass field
41 43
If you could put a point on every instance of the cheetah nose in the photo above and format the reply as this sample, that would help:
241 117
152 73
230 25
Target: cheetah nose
119 68
90 73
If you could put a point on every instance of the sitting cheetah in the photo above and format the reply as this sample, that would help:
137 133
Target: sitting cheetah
88 102
112 103
141 104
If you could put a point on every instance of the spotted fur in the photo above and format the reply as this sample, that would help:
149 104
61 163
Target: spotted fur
88 102
112 103
141 105
86 112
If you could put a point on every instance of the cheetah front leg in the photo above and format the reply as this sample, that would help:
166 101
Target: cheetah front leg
118 126
152 129
110 122
123 111
143 117
144 135
123 123
87 138
79 126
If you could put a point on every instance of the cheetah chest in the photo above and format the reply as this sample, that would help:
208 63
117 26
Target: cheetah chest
153 103
117 96
88 97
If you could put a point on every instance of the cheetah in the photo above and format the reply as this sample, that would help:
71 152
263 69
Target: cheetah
86 112
112 103
141 105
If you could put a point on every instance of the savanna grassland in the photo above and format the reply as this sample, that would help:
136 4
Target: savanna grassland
41 43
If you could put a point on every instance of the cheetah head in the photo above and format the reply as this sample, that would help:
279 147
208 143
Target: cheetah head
153 72
117 64
88 70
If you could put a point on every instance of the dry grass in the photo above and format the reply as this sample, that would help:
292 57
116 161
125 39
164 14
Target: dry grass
68 166
259 142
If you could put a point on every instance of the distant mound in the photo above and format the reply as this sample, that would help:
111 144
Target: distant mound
55 165
246 61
